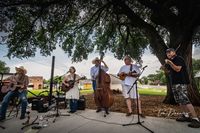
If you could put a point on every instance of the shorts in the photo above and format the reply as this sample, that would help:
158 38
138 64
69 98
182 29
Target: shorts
180 94
132 94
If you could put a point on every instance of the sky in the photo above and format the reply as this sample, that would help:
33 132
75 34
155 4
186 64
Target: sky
41 66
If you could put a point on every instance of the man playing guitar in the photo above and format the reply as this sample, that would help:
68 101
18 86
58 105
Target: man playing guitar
128 74
17 86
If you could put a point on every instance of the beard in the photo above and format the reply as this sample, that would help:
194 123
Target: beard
20 76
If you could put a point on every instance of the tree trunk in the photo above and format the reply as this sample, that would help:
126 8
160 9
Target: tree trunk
169 99
185 51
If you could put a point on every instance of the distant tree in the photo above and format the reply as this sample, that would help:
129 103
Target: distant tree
159 77
196 65
3 68
144 80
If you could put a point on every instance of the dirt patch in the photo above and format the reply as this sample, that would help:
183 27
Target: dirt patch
151 106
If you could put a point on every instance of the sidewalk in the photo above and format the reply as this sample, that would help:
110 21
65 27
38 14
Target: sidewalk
89 121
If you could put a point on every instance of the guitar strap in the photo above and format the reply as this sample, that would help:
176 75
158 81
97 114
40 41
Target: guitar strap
74 78
131 68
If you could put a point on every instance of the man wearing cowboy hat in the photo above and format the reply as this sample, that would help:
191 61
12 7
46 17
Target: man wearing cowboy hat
94 72
18 86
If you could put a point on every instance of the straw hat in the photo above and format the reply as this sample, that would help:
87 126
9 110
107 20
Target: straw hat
20 69
128 57
95 59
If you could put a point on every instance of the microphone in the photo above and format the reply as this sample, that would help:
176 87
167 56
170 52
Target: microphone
144 67
68 71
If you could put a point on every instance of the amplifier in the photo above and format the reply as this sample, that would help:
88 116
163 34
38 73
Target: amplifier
38 104
81 103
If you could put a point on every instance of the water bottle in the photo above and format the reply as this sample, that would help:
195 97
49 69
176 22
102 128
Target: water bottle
45 123
41 121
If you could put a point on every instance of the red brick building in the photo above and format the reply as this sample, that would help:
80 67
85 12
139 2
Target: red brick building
36 82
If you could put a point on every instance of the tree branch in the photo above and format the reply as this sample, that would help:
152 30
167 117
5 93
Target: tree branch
162 12
156 42
91 18
119 26
31 3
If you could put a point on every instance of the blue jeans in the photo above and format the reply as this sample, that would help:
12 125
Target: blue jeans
6 100
73 105
94 84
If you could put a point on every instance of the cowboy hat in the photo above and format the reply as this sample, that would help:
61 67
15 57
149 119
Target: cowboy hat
95 59
21 69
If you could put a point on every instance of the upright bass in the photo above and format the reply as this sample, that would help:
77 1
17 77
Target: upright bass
103 94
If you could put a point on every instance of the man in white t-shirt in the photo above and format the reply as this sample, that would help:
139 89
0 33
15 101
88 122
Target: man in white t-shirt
128 73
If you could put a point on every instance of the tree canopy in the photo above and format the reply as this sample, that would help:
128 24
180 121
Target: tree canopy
121 26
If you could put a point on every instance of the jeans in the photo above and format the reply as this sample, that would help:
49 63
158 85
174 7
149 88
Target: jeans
94 84
73 105
6 100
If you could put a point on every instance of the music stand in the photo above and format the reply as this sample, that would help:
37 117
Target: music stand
138 116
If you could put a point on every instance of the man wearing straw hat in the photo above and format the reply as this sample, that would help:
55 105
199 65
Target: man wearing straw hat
131 71
18 86
94 72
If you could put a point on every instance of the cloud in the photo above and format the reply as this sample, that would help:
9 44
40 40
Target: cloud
196 53
41 66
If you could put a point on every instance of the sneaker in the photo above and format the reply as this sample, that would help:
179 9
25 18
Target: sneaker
107 112
2 118
71 112
98 110
22 117
142 115
194 124
182 118
129 114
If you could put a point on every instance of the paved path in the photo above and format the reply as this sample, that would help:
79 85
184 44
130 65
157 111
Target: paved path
89 121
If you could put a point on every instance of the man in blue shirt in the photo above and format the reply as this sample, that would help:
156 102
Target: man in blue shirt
94 72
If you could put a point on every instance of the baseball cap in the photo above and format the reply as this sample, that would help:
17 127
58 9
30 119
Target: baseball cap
169 50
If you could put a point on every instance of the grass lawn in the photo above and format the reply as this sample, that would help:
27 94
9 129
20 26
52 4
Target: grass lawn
146 91
153 91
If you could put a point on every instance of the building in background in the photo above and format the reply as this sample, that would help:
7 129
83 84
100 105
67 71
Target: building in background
36 82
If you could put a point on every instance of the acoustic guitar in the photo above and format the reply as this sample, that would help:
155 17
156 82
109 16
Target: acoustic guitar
124 75
11 86
71 83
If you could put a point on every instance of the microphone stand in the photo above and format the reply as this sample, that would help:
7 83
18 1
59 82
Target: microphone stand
2 127
138 116
57 107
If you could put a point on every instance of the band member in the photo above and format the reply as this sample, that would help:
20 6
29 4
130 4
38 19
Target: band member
18 87
176 67
128 74
73 93
94 72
